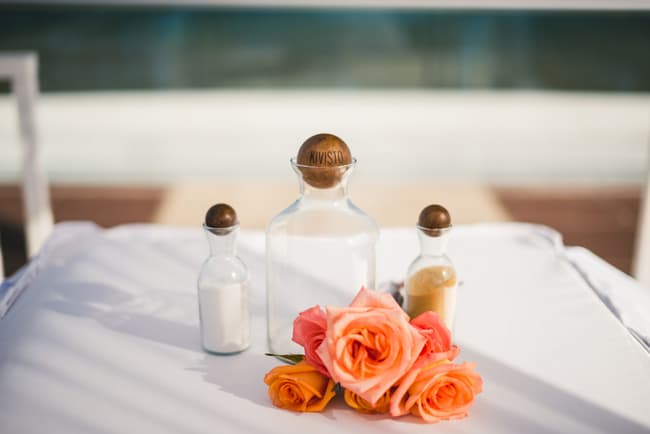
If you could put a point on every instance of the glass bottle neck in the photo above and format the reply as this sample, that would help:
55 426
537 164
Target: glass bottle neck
338 192
433 246
222 244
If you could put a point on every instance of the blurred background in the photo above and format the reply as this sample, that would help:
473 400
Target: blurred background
151 112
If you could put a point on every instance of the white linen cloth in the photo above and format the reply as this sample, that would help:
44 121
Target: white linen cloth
623 295
105 339
65 234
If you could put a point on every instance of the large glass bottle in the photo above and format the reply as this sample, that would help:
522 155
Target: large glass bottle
431 281
223 286
320 250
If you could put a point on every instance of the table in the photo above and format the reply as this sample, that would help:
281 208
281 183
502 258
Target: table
105 339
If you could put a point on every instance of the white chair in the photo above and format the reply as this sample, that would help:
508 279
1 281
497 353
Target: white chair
21 70
641 267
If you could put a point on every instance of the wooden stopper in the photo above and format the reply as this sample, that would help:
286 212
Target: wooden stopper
221 215
433 219
321 159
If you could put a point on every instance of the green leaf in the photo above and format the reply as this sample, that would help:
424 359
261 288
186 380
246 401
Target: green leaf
290 359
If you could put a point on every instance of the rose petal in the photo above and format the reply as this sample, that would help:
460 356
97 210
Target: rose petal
369 298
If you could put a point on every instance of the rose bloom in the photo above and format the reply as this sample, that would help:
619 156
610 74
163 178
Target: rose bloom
309 331
440 391
362 406
369 345
438 339
299 387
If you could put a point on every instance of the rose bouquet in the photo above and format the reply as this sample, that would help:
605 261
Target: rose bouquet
378 358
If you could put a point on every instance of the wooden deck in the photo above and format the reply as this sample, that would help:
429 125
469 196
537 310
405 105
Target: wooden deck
601 219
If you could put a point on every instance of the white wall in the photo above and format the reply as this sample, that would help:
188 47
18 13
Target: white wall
498 137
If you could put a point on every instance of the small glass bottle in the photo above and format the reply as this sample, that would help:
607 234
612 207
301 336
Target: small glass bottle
223 286
431 279
322 248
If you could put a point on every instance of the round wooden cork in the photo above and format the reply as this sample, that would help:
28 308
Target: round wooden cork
321 158
221 215
433 219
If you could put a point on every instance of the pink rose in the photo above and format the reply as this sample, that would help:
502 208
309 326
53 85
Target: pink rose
439 391
369 345
309 331
438 345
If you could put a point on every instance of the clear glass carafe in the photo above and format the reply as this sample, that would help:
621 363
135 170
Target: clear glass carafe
223 294
320 250
431 282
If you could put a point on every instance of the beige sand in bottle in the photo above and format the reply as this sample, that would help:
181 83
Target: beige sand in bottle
432 288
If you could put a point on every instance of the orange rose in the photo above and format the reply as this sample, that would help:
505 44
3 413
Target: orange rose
369 345
299 387
440 391
361 405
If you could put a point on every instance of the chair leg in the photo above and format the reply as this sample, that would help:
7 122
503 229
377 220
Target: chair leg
36 197
2 265
641 266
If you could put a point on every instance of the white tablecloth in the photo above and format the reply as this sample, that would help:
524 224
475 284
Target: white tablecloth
105 340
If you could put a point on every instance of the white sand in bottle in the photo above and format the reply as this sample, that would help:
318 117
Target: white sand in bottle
225 321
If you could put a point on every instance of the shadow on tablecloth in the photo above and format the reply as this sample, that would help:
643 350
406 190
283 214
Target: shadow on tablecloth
518 402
